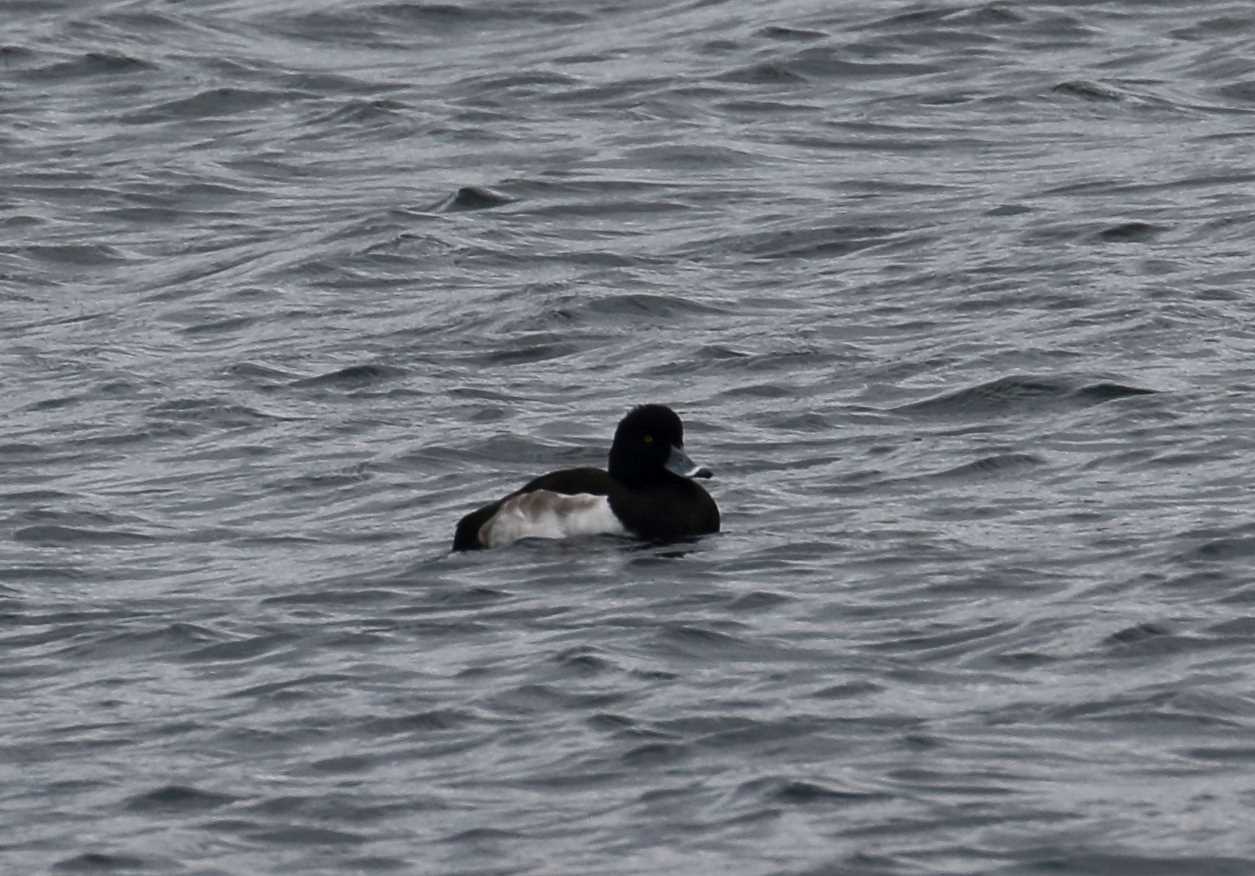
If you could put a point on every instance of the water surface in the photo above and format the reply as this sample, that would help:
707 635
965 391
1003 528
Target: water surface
954 299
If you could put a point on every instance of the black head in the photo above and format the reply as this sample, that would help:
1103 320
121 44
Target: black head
649 448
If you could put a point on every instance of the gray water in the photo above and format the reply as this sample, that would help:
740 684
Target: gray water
955 299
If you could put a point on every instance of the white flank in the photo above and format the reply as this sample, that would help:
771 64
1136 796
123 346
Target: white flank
545 514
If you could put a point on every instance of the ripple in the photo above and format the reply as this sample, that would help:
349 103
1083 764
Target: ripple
303 836
992 466
97 862
243 649
353 377
81 255
53 534
91 64
795 792
214 103
178 799
470 198
1012 394
433 721
1131 232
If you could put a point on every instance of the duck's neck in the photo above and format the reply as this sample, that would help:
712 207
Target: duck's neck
627 470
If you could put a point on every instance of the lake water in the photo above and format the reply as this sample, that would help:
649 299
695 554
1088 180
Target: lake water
954 298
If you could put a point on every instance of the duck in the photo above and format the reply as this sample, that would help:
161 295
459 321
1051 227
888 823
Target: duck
648 492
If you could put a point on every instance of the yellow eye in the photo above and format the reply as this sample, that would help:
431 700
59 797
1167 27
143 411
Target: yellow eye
649 439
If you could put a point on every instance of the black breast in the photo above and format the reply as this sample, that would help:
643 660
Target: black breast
676 508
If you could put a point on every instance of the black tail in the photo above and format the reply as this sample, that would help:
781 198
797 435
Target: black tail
466 538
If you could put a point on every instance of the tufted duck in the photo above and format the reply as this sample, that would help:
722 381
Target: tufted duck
648 493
